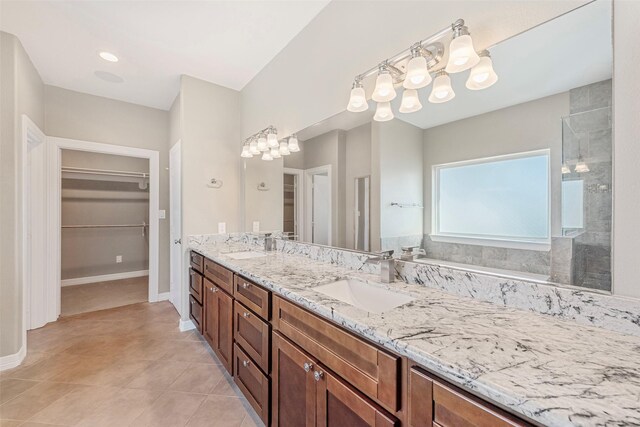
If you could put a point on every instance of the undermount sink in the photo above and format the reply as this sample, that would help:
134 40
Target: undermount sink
246 255
371 298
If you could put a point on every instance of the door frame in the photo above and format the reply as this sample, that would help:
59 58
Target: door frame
56 145
175 190
367 236
299 173
308 184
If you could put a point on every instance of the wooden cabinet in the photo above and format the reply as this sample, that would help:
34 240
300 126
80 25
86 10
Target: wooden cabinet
217 325
253 335
195 285
253 383
195 313
219 275
252 296
433 402
197 262
305 393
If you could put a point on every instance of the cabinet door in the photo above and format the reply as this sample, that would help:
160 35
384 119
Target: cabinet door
224 332
293 393
341 405
210 320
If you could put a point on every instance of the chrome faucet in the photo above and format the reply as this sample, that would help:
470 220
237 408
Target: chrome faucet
387 265
269 242
407 253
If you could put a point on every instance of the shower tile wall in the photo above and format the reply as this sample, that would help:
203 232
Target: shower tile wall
587 135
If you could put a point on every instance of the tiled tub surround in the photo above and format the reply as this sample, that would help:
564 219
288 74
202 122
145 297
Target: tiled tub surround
551 371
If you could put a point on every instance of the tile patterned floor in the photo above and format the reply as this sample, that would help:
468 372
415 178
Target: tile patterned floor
127 366
103 295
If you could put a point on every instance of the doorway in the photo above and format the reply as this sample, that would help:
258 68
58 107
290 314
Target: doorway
292 213
319 201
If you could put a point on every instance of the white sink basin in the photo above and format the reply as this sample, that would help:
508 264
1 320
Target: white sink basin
246 255
371 298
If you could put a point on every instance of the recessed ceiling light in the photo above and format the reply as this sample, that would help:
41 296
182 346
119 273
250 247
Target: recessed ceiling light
108 56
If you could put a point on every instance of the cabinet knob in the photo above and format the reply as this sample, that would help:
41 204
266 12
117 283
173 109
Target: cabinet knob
245 314
245 363
307 366
317 375
245 285
214 289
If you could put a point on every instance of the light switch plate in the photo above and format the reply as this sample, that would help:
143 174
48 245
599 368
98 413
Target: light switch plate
222 227
162 214
118 259
256 226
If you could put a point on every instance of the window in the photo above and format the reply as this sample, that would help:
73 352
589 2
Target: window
503 199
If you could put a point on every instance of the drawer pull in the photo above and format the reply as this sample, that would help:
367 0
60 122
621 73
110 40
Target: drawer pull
245 363
245 314
317 375
246 285
307 366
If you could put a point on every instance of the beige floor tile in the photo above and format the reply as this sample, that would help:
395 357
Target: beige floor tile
226 387
252 420
46 368
103 295
172 409
121 409
219 411
160 375
110 371
33 400
10 423
33 424
75 406
12 387
198 378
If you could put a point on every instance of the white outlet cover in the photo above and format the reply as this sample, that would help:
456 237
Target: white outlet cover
256 226
119 259
222 227
162 214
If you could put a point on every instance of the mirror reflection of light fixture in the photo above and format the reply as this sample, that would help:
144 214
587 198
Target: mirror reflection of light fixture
272 138
358 99
462 54
384 90
442 90
565 169
246 152
293 144
581 166
417 72
284 148
275 152
262 142
383 112
267 156
482 75
253 148
410 101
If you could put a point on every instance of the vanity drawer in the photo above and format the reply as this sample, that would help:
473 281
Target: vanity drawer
195 285
219 275
253 296
195 313
252 333
368 368
253 383
197 262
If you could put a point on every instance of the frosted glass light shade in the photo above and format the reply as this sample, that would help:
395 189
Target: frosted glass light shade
565 169
272 139
417 73
357 100
383 112
267 156
293 144
442 90
462 54
284 149
581 167
275 152
410 101
384 90
482 75
253 148
262 143
246 152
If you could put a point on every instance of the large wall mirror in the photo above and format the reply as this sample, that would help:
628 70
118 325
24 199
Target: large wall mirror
515 179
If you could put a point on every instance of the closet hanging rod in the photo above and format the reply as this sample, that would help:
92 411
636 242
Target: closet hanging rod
106 172
106 226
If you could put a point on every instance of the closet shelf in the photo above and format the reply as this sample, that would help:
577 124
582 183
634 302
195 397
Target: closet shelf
142 178
106 226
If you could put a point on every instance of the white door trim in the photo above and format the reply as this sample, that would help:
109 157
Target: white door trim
308 173
57 145
299 173
175 218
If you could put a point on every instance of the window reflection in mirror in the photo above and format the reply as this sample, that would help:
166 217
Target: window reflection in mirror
515 180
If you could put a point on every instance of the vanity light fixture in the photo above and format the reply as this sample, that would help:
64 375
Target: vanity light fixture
253 148
272 137
357 99
565 169
581 166
482 75
413 67
284 148
442 90
267 156
462 55
246 152
262 143
383 112
275 152
294 147
410 101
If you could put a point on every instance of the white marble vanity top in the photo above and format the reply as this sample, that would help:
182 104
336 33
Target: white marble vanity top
554 372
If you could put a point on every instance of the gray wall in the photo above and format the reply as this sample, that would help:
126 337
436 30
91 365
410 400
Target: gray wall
22 93
92 251
358 164
263 206
75 115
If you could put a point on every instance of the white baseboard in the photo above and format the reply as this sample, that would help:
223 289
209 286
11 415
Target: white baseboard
186 325
103 278
164 296
12 360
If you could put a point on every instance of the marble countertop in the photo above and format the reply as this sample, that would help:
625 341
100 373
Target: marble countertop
554 372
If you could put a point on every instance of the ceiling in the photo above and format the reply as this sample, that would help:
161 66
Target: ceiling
224 42
570 51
